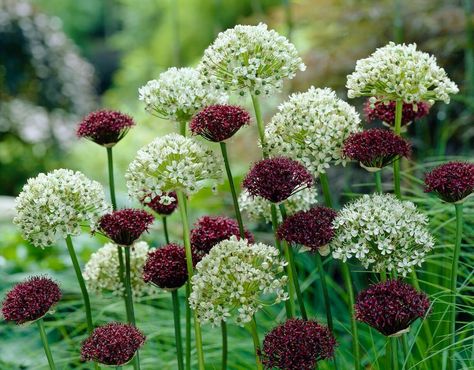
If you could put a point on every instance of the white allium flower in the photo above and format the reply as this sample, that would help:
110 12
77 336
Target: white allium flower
250 59
400 72
101 272
257 207
57 204
235 280
383 232
311 127
171 163
178 94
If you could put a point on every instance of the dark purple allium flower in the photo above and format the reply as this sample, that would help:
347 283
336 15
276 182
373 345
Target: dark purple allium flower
105 127
219 122
312 228
126 225
276 179
375 148
385 112
112 344
30 300
166 267
297 345
162 209
452 182
391 306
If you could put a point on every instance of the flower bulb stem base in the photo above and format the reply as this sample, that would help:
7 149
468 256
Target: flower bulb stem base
399 333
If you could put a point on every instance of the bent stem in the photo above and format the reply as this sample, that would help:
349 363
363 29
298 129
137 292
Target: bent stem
44 339
256 342
378 181
260 124
177 329
396 163
129 295
224 345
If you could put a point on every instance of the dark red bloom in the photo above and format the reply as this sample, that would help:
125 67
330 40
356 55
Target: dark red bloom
162 209
112 344
126 225
391 306
297 345
219 122
385 112
312 228
375 148
276 179
30 300
452 181
105 127
166 267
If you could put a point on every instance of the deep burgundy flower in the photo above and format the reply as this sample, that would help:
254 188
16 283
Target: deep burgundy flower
297 345
112 344
375 148
126 225
312 228
162 209
452 181
219 122
105 127
276 179
166 267
30 300
385 112
391 306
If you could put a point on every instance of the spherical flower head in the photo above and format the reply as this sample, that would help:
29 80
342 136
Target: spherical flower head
112 344
453 182
172 163
311 229
125 226
236 279
219 122
178 94
101 272
382 232
391 306
54 205
164 204
311 127
166 267
250 59
375 148
105 127
400 72
277 179
297 345
30 300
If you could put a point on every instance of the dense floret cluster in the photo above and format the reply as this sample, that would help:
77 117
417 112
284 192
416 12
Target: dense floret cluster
125 226
452 182
385 112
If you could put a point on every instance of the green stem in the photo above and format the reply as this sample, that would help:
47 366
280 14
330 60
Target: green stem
396 163
182 128
129 295
177 329
224 345
383 275
394 346
256 342
355 337
323 178
44 339
388 354
165 229
378 181
260 124
188 328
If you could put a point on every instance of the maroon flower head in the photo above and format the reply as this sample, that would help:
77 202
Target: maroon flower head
126 225
385 112
297 345
375 148
105 127
312 228
219 122
166 267
30 300
276 179
452 181
391 306
160 208
112 344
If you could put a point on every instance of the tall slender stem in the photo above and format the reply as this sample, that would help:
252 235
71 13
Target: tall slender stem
44 339
378 181
224 345
323 178
129 295
177 329
396 163
182 128
260 124
165 229
256 342
394 345
188 327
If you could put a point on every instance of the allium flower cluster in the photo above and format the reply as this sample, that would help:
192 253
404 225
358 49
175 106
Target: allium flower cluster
250 59
178 94
383 232
112 344
125 226
311 127
385 112
164 204
54 205
30 300
453 182
375 148
219 122
311 229
172 162
235 280
400 72
101 272
297 345
277 179
105 127
391 306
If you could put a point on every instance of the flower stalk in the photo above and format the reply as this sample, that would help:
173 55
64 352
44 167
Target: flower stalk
260 124
44 339
256 343
396 163
129 295
177 329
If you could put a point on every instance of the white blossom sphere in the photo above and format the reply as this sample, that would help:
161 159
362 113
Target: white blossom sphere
57 204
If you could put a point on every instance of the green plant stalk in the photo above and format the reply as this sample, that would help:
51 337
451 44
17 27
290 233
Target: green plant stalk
182 128
177 329
323 178
394 349
129 295
260 124
256 342
188 328
44 339
378 181
388 354
396 163
224 345
165 229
